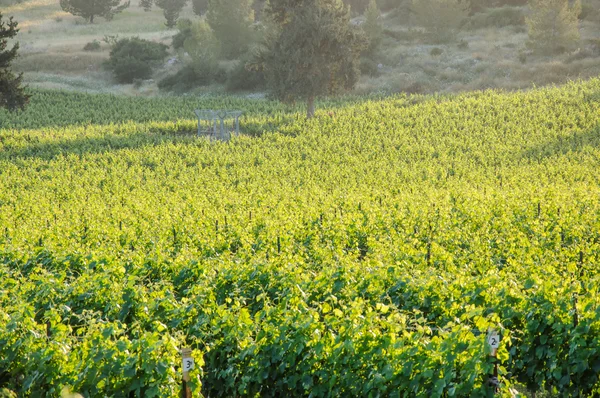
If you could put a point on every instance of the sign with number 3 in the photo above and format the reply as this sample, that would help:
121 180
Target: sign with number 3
188 364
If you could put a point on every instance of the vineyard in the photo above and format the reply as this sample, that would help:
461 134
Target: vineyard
366 252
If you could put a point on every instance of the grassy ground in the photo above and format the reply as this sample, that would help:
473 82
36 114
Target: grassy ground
481 56
52 42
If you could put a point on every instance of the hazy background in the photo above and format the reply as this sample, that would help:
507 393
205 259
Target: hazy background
422 46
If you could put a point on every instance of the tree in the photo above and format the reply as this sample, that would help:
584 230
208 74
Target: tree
203 48
12 94
231 21
146 4
89 9
442 18
372 26
553 24
311 51
171 10
200 7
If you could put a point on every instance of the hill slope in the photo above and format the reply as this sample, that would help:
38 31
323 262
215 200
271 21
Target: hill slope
364 252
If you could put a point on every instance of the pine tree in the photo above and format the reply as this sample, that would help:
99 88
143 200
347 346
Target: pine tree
312 50
171 10
200 7
553 24
12 94
89 9
372 26
231 21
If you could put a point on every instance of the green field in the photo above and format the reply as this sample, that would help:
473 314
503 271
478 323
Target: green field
365 252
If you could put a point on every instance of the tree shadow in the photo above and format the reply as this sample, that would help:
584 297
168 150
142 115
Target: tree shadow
85 145
563 145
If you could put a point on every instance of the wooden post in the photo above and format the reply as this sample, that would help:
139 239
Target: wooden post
493 339
188 364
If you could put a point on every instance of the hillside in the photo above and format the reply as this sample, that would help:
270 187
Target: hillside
365 252
490 51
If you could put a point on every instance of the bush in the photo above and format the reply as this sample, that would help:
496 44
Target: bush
127 69
369 67
185 31
191 76
92 46
133 58
241 78
441 18
388 5
589 12
498 17
436 51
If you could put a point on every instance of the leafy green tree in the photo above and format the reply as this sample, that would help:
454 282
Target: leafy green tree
12 94
442 18
203 48
200 7
553 24
89 9
372 26
133 58
311 51
171 10
231 22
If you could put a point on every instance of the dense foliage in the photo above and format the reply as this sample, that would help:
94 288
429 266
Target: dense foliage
12 93
171 10
364 252
311 51
89 9
554 24
133 58
231 22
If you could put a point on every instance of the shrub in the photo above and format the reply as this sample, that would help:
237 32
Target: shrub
203 47
92 46
133 58
411 35
498 17
441 18
589 12
191 76
369 67
127 69
594 46
436 51
522 56
388 5
185 31
111 40
242 78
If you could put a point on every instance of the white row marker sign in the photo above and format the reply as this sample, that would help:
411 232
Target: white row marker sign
493 340
188 363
